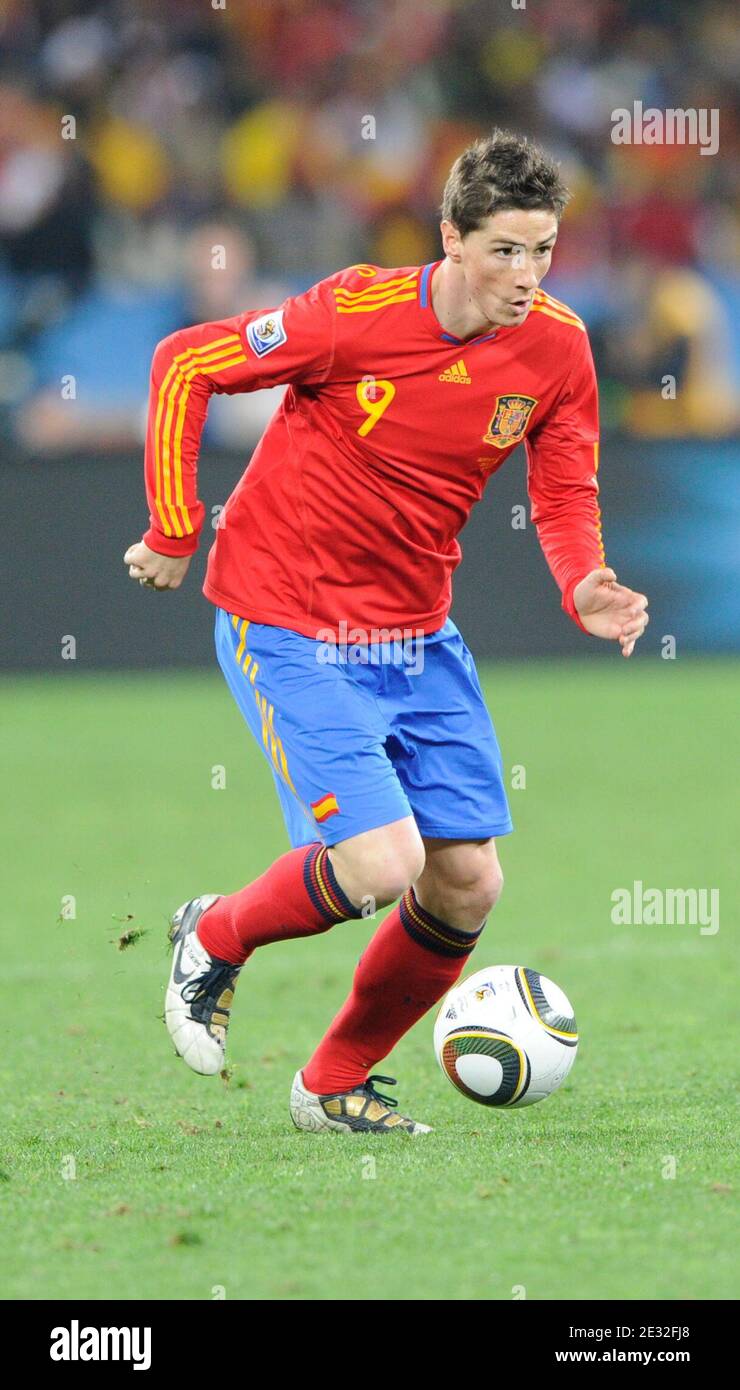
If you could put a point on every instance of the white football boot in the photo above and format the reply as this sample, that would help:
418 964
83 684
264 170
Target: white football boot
362 1110
199 993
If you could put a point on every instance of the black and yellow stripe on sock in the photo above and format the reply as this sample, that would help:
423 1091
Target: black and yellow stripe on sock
428 931
323 889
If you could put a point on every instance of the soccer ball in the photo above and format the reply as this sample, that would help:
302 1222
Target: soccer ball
506 1036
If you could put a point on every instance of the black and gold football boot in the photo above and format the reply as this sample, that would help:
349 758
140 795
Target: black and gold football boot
363 1110
199 992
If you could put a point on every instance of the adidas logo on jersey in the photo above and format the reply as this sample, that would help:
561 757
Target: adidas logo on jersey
457 372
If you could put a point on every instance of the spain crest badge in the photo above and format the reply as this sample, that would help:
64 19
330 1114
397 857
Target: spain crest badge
509 420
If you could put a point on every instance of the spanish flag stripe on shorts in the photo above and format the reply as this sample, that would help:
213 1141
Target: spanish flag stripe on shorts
326 806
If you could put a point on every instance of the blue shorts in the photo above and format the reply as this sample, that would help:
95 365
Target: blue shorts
359 737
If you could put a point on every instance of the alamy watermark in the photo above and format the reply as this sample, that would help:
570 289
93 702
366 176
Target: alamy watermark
76 1343
659 907
674 126
375 646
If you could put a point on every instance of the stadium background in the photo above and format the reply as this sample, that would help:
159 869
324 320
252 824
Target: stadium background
241 127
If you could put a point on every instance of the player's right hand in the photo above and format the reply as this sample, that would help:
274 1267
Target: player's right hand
153 570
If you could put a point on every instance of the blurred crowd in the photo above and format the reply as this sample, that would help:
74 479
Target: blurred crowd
171 162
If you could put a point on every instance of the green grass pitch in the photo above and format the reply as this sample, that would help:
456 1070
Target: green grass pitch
124 1175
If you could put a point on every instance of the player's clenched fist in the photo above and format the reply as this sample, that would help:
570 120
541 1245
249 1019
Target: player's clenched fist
153 570
608 609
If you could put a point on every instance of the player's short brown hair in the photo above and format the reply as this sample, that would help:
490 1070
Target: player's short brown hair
502 170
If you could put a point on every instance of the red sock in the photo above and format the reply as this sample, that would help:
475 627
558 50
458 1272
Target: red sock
412 960
297 896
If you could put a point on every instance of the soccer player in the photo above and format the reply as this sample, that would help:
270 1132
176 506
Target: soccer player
331 574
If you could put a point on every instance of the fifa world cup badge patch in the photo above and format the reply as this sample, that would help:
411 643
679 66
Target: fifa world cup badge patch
509 420
266 333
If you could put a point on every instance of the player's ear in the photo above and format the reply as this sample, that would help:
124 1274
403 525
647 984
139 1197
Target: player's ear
451 240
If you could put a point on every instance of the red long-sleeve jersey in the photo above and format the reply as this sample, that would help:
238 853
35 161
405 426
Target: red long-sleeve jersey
351 506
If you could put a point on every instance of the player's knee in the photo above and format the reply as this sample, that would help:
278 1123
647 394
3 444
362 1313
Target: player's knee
389 879
471 884
490 887
380 872
487 883
479 896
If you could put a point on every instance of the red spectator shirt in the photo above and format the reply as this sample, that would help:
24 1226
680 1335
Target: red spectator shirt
351 506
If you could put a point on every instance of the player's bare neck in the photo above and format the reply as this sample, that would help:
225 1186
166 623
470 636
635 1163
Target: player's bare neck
453 306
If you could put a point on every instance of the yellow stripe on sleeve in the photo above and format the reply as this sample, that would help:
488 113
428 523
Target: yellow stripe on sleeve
552 313
219 348
376 291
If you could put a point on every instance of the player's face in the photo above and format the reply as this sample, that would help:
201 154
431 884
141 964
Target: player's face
504 261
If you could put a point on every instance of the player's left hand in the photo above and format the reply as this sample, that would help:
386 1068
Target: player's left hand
608 609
